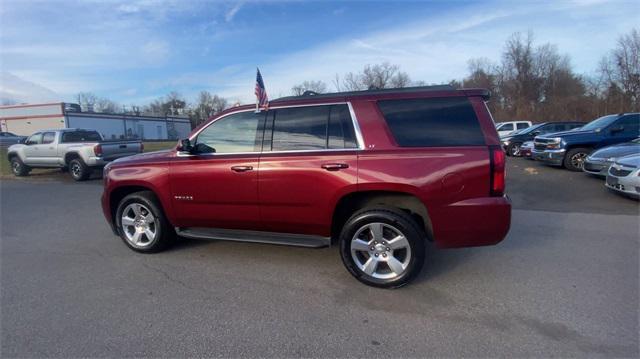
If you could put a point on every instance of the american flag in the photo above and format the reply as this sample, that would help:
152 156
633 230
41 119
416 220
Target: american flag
262 101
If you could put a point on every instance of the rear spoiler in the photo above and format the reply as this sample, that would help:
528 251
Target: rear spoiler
484 93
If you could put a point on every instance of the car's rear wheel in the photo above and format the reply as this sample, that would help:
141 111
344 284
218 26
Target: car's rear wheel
382 247
18 167
574 159
142 224
79 170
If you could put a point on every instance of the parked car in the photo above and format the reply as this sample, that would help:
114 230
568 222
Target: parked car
598 162
571 148
8 139
512 142
78 150
525 149
624 176
379 172
505 128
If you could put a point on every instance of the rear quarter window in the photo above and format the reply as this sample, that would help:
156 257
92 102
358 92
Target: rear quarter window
432 122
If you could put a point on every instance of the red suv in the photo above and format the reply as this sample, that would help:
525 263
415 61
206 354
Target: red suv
376 172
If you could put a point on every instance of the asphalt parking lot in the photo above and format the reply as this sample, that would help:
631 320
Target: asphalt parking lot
564 283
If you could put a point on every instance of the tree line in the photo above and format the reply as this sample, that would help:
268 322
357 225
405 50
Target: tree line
531 81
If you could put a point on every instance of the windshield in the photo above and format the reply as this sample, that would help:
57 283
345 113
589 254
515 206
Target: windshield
599 123
528 129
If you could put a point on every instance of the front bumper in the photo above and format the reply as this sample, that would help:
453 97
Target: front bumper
596 167
106 210
551 157
628 185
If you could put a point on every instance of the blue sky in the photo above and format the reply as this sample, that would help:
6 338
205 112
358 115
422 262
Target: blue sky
135 51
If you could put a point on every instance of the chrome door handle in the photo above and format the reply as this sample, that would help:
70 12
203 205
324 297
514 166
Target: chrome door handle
334 166
241 168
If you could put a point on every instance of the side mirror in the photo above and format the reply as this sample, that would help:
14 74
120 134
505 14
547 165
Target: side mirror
535 133
185 146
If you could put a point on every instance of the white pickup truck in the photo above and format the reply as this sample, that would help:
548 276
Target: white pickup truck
78 150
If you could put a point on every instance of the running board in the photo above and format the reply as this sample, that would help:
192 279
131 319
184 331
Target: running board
300 240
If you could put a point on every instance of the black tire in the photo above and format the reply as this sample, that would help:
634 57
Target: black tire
164 232
78 170
574 158
514 149
392 219
18 167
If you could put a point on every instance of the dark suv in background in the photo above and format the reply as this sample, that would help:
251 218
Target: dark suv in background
379 173
570 149
512 142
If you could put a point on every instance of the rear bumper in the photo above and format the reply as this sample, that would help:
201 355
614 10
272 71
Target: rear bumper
551 157
473 222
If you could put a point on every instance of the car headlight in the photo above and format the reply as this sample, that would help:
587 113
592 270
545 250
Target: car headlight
610 159
506 142
554 143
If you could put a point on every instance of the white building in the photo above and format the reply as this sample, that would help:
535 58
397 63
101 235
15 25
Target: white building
27 119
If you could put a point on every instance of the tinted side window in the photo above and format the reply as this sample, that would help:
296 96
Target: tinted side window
341 132
35 139
506 127
573 125
449 121
48 137
239 132
301 128
81 136
631 124
520 126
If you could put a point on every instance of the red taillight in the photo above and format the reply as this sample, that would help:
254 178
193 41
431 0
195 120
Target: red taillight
141 147
97 149
497 171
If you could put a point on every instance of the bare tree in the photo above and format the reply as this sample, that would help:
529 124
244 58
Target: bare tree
377 76
315 86
622 71
87 101
206 105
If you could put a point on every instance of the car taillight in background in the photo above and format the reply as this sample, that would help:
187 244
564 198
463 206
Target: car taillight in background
497 160
97 150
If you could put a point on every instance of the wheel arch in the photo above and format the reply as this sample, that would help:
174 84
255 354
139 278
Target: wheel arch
69 156
117 194
406 201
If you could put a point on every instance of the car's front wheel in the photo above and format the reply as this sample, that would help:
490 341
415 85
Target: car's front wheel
574 159
514 149
18 167
383 247
142 224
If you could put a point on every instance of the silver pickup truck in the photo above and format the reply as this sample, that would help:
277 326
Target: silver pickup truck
78 150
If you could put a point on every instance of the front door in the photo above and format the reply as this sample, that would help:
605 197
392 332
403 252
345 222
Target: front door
32 151
308 162
220 189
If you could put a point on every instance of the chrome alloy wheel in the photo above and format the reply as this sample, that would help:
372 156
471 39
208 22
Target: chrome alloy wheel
76 170
515 150
577 160
139 225
15 166
380 250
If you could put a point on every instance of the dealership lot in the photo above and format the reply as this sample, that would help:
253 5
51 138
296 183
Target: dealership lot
563 283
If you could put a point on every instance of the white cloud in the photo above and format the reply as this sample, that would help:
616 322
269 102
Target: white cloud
231 13
155 51
19 90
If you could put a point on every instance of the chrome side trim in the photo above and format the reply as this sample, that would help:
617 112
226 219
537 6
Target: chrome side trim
356 127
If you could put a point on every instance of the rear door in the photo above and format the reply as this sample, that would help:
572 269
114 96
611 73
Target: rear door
309 161
48 149
220 190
